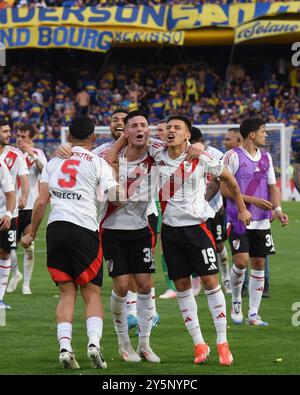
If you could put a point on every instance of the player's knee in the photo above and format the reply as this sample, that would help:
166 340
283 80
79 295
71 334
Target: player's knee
144 289
210 282
183 284
240 262
121 290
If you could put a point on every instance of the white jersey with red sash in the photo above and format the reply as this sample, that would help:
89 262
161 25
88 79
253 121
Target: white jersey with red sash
16 164
34 176
182 186
74 186
138 181
217 201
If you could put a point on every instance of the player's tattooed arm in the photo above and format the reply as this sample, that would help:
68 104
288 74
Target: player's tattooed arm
38 214
112 157
276 199
64 151
243 214
194 151
212 189
258 202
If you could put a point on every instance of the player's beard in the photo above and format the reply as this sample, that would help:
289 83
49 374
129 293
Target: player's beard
3 143
116 133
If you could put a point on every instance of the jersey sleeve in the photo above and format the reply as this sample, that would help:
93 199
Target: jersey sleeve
210 164
45 174
22 165
42 157
106 177
231 161
102 150
155 148
271 172
6 180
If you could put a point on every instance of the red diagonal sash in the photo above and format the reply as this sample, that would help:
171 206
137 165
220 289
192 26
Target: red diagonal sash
131 186
175 182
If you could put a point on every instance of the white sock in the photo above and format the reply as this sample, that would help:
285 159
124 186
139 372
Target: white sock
217 307
118 310
256 287
154 302
64 335
237 277
131 303
94 327
5 266
28 264
14 262
144 306
223 264
188 308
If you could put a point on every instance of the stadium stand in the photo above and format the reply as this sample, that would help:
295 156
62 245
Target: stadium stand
197 90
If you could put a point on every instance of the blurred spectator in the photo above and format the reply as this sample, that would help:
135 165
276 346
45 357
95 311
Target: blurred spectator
49 98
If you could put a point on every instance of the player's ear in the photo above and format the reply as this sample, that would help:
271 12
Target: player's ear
252 135
93 138
69 138
188 136
125 132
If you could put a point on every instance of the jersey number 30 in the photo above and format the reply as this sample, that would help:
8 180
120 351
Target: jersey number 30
69 169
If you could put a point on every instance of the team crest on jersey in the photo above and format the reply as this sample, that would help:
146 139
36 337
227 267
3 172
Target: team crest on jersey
9 162
144 168
236 244
110 265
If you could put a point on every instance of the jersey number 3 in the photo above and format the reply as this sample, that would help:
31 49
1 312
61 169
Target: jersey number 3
69 169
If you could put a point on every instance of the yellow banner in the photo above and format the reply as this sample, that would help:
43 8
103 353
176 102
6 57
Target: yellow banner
182 17
166 38
260 29
154 18
57 37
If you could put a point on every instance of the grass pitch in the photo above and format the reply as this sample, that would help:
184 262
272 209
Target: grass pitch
28 342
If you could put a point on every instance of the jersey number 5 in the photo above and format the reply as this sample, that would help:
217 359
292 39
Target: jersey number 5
68 169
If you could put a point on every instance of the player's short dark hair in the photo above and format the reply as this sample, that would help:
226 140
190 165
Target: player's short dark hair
3 122
182 118
235 130
250 125
28 128
81 127
119 110
160 121
135 113
196 135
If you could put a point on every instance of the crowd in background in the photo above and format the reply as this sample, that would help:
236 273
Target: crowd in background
102 3
199 90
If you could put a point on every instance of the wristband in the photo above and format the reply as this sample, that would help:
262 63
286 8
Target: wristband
8 214
278 210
